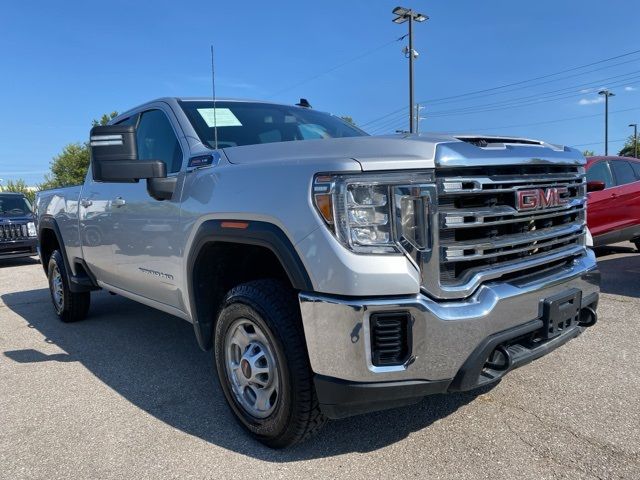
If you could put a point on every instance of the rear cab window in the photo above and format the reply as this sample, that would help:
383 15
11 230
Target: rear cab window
623 172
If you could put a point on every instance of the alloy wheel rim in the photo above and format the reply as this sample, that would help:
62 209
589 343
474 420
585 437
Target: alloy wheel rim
251 368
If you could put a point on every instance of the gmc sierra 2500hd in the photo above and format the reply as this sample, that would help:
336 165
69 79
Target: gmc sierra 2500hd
331 276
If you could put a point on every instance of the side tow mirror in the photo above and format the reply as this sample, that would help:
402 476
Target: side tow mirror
114 156
595 186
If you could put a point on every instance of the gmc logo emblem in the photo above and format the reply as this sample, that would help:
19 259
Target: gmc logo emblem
538 198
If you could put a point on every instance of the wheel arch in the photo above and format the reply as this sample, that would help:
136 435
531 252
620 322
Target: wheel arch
242 241
50 239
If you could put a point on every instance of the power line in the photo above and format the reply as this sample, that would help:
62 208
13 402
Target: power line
336 67
632 76
547 122
551 98
535 99
598 143
393 121
539 78
438 102
522 82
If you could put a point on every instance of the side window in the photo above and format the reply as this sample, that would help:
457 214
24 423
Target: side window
600 172
623 172
157 140
129 120
636 169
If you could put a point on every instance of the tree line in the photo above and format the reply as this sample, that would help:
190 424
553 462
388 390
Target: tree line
67 168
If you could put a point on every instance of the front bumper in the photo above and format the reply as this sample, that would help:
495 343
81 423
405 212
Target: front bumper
450 340
18 248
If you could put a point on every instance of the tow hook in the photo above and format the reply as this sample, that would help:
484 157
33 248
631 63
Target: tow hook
506 365
588 317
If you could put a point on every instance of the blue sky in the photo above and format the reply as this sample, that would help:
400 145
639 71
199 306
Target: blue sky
65 63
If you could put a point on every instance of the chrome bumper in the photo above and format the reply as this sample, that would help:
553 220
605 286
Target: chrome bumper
445 333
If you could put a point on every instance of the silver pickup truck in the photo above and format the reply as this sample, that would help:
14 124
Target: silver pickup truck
331 272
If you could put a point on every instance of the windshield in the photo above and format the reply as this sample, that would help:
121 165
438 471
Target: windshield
246 123
14 206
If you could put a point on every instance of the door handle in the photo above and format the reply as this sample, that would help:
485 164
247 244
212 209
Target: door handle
85 202
614 195
118 202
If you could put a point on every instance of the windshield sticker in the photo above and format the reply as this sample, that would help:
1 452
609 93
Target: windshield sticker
222 116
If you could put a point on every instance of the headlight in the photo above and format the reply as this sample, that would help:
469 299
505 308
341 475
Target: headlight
31 229
377 213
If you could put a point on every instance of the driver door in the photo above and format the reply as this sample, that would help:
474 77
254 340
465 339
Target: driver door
147 237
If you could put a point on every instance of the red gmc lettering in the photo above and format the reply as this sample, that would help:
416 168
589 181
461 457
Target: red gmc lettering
541 198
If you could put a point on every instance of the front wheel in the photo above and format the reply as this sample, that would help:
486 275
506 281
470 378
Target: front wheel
69 306
261 359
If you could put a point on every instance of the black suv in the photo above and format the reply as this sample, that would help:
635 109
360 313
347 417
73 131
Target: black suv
17 229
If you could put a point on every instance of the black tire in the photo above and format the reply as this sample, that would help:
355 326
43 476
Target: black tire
273 307
69 306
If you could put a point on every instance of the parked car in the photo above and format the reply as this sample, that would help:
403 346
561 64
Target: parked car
332 273
18 236
613 213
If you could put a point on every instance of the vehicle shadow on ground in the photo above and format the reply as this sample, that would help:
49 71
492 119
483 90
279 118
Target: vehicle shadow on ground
17 262
152 360
620 275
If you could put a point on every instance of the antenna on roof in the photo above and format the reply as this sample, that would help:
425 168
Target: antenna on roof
213 89
304 103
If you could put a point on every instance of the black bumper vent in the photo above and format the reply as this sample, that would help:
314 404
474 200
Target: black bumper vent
390 338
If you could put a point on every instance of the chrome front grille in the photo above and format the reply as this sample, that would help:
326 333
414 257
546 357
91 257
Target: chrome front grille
13 231
485 234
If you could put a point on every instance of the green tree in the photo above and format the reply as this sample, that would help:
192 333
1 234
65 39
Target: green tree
348 119
71 165
104 119
589 153
629 148
20 186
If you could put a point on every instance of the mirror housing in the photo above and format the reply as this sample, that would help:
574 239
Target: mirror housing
595 186
114 156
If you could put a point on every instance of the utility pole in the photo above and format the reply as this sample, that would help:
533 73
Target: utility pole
606 94
404 15
635 139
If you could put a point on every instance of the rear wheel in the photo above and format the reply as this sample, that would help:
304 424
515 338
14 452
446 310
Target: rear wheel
69 306
262 363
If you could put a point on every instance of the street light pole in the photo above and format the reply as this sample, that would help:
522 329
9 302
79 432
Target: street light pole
606 94
409 15
635 139
411 121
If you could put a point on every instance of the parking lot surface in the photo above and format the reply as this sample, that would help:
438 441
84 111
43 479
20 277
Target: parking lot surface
128 394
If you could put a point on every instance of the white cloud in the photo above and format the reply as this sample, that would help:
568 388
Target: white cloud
590 101
586 90
630 89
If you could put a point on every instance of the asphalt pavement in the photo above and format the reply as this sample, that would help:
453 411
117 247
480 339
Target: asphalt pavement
128 394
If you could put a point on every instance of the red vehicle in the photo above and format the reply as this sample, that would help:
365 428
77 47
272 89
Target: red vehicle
613 213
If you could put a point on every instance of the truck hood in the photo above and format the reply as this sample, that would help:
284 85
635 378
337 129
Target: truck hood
16 219
400 152
373 153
